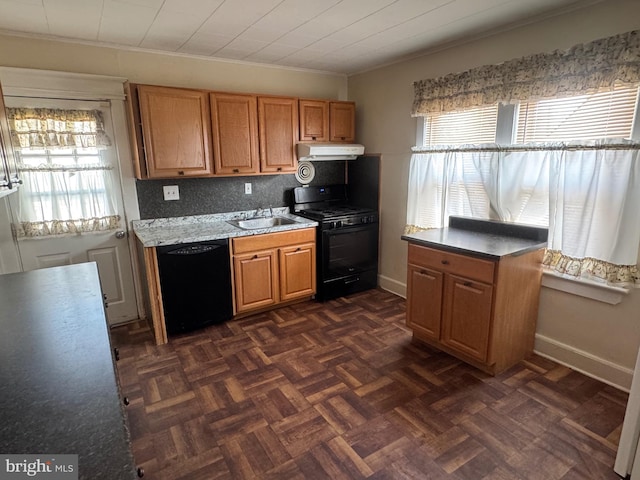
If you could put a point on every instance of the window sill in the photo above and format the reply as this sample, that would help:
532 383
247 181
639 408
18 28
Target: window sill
584 288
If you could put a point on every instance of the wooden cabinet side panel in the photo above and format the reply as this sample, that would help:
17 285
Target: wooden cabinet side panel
176 131
235 133
155 295
517 296
297 271
314 120
256 280
134 124
342 121
424 301
278 133
466 318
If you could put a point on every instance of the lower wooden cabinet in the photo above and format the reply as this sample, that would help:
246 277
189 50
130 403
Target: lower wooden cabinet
273 268
481 311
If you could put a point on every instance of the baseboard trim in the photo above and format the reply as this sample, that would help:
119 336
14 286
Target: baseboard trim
584 362
392 286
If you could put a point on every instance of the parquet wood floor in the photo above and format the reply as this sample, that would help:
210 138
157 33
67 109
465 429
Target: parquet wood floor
337 390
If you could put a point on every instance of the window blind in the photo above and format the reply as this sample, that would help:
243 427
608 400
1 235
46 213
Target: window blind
585 117
475 125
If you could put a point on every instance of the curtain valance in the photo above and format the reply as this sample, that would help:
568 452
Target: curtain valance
584 68
46 128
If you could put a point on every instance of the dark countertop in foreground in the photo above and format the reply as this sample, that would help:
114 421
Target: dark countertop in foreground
58 388
482 238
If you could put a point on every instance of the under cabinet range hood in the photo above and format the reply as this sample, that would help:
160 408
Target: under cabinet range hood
329 151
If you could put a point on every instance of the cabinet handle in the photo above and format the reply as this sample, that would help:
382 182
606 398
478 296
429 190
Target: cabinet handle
116 353
444 262
125 400
313 138
279 169
254 257
298 249
140 472
180 172
236 170
467 284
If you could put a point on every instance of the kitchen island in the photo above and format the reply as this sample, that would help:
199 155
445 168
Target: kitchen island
473 290
59 391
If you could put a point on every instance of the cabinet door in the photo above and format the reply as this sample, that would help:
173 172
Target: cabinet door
466 318
278 132
235 133
314 121
256 280
175 129
9 180
297 271
424 306
342 121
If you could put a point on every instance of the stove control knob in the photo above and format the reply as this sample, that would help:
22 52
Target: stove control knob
338 223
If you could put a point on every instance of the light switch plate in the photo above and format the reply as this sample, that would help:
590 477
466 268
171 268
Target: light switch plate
171 192
247 189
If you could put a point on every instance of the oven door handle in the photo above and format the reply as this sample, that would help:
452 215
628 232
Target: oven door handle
352 280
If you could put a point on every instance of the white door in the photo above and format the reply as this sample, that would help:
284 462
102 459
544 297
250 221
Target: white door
109 249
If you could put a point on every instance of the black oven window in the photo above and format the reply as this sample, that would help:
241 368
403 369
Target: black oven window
349 251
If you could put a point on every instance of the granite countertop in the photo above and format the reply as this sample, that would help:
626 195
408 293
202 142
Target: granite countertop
59 390
200 228
482 238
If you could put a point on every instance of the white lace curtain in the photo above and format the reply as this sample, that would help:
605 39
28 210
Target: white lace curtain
67 185
588 193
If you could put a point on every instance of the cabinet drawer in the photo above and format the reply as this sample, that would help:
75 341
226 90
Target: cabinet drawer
465 266
272 240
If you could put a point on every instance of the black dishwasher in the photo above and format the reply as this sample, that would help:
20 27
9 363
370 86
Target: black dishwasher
195 280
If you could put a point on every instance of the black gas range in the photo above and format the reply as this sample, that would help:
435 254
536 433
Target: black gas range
347 240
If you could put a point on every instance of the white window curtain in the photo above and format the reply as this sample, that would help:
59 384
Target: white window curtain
587 192
67 180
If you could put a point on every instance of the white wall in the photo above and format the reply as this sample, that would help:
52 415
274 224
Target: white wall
595 337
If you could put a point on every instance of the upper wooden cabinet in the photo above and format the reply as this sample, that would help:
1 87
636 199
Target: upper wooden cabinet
342 121
278 133
174 126
314 120
235 133
327 121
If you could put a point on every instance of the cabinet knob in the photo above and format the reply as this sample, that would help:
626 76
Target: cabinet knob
445 262
180 172
313 138
140 472
298 249
254 257
236 170
125 400
467 284
116 353
279 169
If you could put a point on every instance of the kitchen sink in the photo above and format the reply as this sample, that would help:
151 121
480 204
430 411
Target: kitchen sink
261 222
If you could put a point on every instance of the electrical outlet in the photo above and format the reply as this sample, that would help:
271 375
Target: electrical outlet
171 192
247 189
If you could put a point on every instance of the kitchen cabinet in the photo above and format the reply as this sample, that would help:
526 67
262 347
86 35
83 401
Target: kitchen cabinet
314 120
342 121
171 130
9 180
234 121
273 268
327 121
482 311
278 134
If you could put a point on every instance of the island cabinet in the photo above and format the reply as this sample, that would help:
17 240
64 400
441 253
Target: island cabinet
273 268
327 121
480 310
172 132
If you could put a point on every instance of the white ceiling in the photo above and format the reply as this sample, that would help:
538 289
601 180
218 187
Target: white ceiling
342 36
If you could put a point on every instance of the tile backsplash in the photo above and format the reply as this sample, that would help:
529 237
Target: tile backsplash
199 196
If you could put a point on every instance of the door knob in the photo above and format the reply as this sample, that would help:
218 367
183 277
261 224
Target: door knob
120 234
